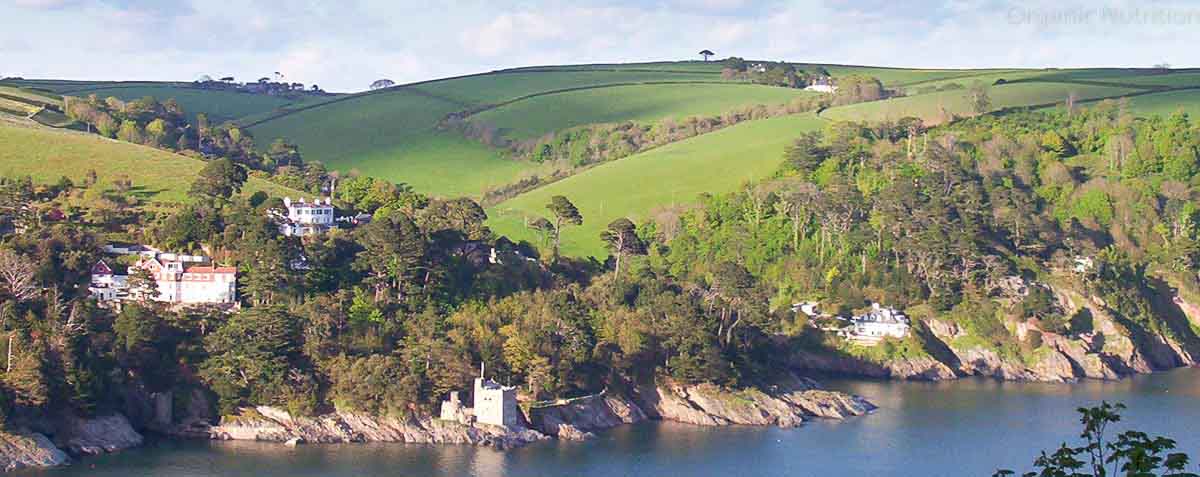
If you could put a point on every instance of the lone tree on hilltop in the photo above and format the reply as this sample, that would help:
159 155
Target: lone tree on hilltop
706 54
382 83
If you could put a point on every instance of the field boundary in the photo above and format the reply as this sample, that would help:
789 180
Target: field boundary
488 107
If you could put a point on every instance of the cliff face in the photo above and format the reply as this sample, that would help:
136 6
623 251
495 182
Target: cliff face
1110 350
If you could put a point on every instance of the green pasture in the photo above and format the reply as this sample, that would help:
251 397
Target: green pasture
673 174
544 114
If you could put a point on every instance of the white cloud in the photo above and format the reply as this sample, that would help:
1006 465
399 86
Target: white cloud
44 4
346 45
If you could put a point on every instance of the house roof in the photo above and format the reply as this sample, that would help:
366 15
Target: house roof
199 269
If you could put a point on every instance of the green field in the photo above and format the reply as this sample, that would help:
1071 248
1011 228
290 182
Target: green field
1166 103
690 66
929 106
968 81
393 133
157 175
903 76
219 106
673 174
500 87
543 114
1173 80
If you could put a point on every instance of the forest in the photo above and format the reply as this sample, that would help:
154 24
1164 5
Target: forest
389 316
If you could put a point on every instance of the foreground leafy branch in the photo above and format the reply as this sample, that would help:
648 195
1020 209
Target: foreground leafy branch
1131 454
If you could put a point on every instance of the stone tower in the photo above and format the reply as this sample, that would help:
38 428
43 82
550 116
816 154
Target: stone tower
495 404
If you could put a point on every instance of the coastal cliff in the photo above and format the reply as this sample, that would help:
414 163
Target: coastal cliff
1111 347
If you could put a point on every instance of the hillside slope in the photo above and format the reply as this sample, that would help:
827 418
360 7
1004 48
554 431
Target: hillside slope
157 175
394 134
674 174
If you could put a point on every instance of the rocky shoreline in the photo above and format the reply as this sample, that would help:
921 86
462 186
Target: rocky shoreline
787 404
1111 350
30 448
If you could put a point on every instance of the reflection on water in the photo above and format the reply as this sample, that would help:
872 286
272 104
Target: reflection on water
967 427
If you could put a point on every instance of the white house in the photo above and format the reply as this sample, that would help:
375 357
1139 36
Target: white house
185 284
873 326
180 279
306 218
822 84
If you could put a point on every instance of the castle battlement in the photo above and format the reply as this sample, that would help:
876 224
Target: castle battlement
495 404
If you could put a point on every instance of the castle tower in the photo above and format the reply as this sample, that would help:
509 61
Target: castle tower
495 404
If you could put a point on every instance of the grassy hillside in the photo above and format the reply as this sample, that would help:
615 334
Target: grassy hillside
393 133
49 154
536 116
1187 101
218 105
672 174
929 107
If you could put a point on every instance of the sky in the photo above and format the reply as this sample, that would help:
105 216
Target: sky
344 45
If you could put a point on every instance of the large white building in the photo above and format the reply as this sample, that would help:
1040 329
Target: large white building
180 279
306 218
873 326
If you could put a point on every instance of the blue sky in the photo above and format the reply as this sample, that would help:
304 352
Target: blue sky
344 45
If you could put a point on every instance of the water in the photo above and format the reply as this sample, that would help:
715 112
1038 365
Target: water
962 428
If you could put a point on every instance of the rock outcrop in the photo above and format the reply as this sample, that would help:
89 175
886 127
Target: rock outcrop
1111 349
265 423
71 436
98 435
577 419
922 369
787 403
29 449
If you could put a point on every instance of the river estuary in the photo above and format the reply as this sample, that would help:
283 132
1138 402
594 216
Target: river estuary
962 428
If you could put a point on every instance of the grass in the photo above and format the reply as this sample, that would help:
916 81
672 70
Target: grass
929 107
500 87
1166 103
393 136
903 76
392 133
968 81
1174 80
676 173
536 116
219 106
158 175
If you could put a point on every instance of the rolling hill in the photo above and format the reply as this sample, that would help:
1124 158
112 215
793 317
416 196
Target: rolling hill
219 105
397 133
157 175
935 108
673 174
640 103
394 133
